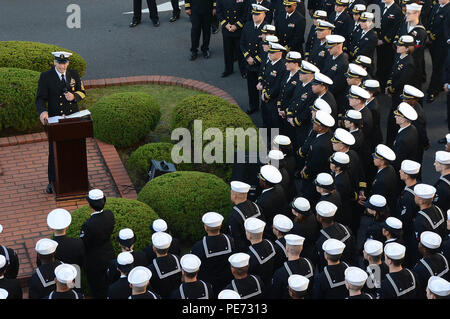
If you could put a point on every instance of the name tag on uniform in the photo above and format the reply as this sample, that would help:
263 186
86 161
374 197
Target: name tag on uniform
291 25
304 96
294 82
273 73
334 67
391 16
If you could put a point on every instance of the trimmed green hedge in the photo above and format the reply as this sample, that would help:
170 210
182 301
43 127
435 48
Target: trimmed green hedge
35 56
123 119
181 199
214 112
128 213
18 89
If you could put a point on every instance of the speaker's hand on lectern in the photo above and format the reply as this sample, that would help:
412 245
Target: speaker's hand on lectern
44 118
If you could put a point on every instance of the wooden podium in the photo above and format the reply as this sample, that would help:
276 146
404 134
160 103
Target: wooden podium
69 147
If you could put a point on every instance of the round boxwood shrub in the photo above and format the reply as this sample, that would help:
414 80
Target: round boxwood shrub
35 56
181 199
128 213
214 112
17 99
123 119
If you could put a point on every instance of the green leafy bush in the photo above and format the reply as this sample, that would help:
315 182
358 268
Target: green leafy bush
18 89
214 112
181 199
123 119
128 213
35 56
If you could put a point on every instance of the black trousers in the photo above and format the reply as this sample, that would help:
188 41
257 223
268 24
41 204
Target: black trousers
385 60
392 127
438 56
97 281
215 22
201 23
231 51
51 164
253 93
137 8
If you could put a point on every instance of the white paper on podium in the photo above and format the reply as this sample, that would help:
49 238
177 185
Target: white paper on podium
55 119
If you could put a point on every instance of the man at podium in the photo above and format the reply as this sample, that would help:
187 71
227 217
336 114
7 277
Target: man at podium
61 88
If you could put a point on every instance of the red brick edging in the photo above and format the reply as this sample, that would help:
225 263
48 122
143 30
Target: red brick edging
161 80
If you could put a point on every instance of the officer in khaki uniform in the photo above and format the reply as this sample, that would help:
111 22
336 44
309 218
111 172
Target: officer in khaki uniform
61 88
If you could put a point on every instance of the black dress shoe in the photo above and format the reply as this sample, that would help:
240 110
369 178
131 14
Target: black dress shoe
49 189
174 18
134 23
193 56
206 54
156 23
225 74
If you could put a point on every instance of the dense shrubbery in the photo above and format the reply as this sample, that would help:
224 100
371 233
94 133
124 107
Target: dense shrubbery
181 198
35 56
214 112
18 89
123 119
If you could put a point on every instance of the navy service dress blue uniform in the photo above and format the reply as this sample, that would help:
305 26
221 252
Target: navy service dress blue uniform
201 17
214 252
121 289
251 47
51 89
270 76
42 282
391 19
96 235
231 12
330 283
438 21
250 287
193 290
290 28
342 21
236 220
12 262
442 196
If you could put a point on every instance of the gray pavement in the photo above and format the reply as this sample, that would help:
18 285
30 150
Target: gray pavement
112 49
